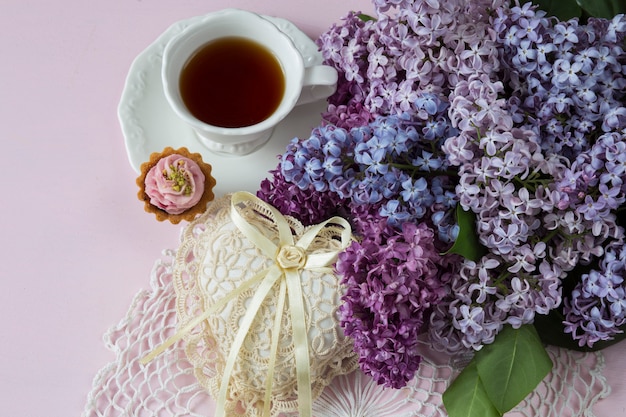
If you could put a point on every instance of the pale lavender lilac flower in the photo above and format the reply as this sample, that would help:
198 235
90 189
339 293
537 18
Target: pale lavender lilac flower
542 171
597 307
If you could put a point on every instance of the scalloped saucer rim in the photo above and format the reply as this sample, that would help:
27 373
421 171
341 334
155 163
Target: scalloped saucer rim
149 124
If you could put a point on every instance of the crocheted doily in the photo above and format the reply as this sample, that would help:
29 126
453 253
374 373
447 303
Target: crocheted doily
167 385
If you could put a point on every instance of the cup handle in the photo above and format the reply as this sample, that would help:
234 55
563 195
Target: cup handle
320 81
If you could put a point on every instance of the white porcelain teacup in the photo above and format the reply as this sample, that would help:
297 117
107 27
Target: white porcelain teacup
301 84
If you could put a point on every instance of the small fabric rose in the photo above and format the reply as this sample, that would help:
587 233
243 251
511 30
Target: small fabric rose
290 257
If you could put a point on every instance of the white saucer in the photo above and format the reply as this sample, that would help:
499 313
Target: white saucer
149 125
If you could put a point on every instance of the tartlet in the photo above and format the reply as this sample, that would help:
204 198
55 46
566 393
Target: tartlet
175 185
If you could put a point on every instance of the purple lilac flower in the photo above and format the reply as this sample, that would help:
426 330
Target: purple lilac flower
392 283
306 205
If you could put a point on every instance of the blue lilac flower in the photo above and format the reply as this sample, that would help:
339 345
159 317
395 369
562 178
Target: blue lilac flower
386 162
395 213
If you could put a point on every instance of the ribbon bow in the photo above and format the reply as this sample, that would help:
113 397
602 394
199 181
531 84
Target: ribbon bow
290 257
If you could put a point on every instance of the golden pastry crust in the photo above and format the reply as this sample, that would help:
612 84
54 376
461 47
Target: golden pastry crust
189 214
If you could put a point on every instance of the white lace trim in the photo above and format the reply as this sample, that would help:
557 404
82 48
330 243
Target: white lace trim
167 386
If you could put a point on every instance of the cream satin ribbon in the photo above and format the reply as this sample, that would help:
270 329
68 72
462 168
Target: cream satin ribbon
290 257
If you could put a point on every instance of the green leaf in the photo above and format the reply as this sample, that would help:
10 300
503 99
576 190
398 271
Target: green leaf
603 8
567 9
466 396
512 366
467 243
365 17
563 9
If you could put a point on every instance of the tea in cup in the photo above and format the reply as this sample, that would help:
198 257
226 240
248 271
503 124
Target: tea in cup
234 76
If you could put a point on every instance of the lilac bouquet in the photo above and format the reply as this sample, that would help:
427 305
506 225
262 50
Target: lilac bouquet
479 149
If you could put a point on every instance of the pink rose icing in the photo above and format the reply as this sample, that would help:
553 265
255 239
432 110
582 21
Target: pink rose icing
174 184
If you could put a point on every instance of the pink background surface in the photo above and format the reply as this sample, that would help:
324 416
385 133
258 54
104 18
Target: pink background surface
76 245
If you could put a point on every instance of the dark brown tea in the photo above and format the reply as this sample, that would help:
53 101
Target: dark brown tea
232 82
